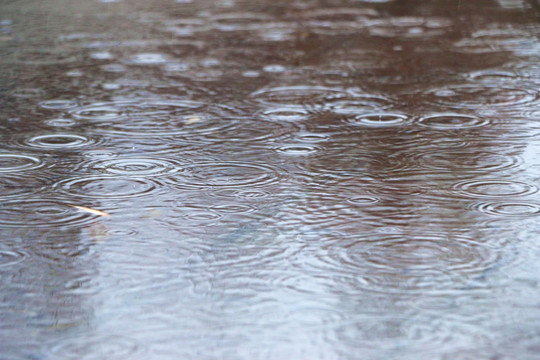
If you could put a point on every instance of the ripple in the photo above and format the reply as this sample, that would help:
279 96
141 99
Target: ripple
94 347
11 257
360 103
57 141
154 118
363 200
17 186
410 27
15 162
139 166
225 174
451 121
480 96
28 93
379 120
509 209
105 187
232 208
311 137
241 21
494 188
469 160
60 122
43 56
286 114
497 40
297 149
243 193
41 213
148 59
299 95
338 21
58 104
201 216
409 263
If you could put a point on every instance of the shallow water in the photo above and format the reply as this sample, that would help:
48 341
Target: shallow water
283 179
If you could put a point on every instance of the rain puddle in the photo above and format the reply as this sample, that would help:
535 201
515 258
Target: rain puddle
234 179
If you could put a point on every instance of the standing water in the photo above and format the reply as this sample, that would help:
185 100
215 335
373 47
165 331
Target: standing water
233 179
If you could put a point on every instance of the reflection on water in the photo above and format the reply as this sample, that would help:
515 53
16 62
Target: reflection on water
284 180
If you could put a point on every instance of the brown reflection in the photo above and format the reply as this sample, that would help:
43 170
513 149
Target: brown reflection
417 115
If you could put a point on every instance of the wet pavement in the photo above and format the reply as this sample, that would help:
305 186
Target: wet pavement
269 179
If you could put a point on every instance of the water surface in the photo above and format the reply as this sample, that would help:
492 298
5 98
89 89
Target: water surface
269 179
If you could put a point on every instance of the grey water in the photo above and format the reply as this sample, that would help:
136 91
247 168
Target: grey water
233 179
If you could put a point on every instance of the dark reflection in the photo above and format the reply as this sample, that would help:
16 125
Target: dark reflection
256 179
